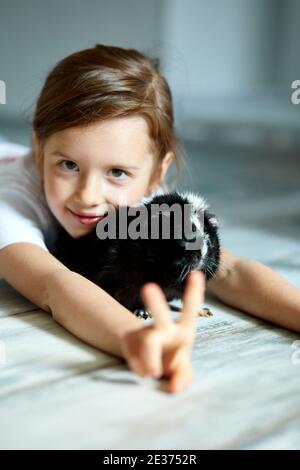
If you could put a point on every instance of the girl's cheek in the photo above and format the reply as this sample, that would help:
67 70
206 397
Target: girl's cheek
55 193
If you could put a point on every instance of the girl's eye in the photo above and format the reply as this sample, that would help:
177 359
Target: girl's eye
118 171
69 166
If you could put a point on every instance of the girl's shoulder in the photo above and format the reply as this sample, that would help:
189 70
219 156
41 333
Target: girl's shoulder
11 150
23 206
17 168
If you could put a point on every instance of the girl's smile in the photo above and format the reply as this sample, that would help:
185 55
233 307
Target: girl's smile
87 220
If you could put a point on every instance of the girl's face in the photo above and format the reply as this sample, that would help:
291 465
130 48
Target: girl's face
87 169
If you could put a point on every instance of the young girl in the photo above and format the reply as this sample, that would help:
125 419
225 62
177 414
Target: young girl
103 134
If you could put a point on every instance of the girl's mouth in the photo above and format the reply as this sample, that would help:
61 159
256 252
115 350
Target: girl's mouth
87 220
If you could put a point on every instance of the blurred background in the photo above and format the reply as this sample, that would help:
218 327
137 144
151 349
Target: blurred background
230 65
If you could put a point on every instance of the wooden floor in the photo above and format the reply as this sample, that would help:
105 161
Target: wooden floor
58 393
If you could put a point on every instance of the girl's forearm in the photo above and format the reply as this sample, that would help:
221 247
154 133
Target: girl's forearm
88 311
255 288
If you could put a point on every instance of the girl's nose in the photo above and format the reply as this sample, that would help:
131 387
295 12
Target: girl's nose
89 193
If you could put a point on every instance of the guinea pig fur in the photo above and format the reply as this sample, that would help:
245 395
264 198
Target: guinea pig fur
121 266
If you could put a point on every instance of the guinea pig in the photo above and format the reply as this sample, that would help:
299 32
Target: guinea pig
121 266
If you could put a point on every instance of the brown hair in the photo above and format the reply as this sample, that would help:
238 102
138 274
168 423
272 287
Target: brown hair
106 82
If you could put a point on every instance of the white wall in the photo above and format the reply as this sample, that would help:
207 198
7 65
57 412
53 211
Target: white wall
289 42
221 47
35 34
217 50
226 60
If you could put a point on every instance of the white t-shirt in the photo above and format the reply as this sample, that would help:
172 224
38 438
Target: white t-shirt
24 214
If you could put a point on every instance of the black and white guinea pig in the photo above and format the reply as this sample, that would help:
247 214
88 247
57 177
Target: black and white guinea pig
122 266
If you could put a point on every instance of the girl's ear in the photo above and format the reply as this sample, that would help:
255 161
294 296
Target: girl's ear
160 172
38 153
166 162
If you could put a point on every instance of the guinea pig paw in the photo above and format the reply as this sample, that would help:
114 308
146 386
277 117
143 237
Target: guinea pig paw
144 314
205 312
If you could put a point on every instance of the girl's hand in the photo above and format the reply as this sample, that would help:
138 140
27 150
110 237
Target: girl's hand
164 348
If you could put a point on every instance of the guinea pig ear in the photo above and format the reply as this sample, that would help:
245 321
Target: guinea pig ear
213 220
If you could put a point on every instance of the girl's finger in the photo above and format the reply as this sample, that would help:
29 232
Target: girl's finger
135 365
151 356
155 301
193 296
181 379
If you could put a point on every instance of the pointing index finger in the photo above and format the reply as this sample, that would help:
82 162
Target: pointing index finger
155 301
193 296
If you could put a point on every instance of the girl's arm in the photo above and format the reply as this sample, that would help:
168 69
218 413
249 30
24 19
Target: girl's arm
253 287
76 303
89 312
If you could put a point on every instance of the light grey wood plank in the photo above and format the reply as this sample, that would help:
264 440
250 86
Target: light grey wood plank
11 301
282 438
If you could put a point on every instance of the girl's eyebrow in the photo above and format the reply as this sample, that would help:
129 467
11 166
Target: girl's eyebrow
60 154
